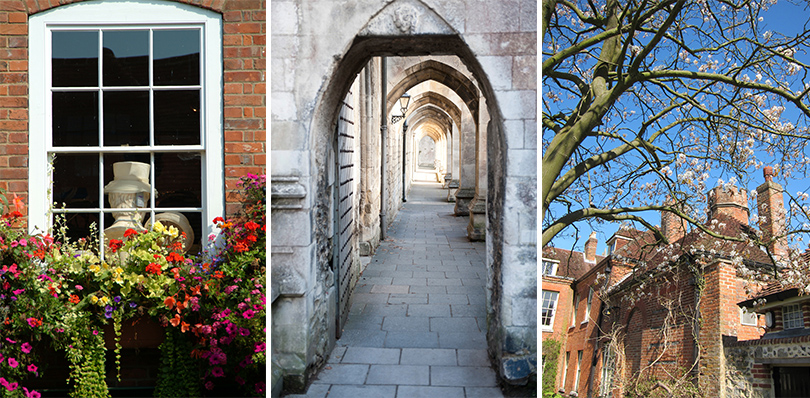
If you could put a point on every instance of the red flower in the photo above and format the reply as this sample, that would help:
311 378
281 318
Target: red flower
116 244
34 322
154 268
174 257
74 299
251 225
169 302
218 274
130 232
219 220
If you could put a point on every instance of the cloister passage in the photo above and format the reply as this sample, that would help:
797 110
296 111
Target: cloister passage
346 174
418 320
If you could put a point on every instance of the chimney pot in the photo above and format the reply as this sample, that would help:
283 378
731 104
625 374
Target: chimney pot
590 248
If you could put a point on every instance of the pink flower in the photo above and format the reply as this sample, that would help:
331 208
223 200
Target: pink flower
248 314
217 372
12 386
18 292
26 348
95 333
13 362
260 387
32 368
79 287
32 394
260 347
209 385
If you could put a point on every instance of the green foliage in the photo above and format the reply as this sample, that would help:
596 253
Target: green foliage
86 356
551 354
178 375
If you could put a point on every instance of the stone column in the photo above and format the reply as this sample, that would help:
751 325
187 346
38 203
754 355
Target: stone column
452 185
466 180
477 227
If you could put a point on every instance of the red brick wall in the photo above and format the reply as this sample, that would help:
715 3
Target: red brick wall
561 319
244 41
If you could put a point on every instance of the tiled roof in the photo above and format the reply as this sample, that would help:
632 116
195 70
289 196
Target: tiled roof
572 263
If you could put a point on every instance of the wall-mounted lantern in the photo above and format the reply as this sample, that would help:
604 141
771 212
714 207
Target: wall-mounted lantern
403 107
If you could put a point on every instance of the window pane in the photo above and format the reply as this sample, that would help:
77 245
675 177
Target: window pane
178 179
79 224
75 180
75 59
126 118
177 117
177 57
75 119
126 58
111 159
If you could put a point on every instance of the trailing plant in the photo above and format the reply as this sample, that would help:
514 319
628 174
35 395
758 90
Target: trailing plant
178 375
551 353
86 354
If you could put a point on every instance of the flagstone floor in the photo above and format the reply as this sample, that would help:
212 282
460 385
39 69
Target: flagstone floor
417 326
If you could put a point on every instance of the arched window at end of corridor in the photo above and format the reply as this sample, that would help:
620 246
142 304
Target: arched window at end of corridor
125 91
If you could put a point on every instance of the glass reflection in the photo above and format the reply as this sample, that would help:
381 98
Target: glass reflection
75 118
177 57
126 58
126 118
75 59
75 181
177 117
178 179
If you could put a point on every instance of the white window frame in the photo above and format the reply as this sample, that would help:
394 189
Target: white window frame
552 308
588 307
606 381
796 320
565 369
574 309
579 370
748 318
125 13
554 266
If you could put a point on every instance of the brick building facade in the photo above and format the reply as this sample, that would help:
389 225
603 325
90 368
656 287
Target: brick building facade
678 312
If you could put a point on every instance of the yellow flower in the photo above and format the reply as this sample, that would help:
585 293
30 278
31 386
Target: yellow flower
119 280
173 232
93 299
158 227
95 268
117 271
103 300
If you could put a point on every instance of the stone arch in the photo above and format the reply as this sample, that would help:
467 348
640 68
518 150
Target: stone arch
438 100
439 72
511 336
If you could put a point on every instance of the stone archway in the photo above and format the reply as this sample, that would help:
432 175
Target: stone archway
334 52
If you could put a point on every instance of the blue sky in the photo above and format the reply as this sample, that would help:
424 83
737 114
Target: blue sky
783 17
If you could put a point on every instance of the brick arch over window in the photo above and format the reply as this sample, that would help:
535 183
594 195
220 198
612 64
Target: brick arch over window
244 65
439 72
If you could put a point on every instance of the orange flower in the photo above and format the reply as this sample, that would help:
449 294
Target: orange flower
169 302
18 204
218 274
183 327
175 321
195 291
74 299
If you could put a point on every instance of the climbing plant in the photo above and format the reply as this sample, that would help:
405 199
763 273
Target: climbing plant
551 353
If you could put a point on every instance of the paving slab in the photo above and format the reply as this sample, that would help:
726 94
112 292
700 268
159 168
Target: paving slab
399 375
362 391
342 374
371 355
429 392
406 324
415 298
412 340
390 288
428 356
473 357
462 340
483 392
429 310
466 376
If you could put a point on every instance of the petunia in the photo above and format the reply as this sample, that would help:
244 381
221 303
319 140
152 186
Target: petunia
13 362
260 347
217 372
248 314
209 385
32 368
25 347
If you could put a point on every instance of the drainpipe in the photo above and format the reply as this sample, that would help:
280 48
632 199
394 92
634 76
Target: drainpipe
383 138
404 131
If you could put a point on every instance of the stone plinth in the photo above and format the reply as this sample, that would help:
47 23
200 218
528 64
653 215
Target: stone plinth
463 198
477 228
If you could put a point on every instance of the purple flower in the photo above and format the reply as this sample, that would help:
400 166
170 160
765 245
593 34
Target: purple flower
209 385
132 304
26 348
117 299
244 332
217 372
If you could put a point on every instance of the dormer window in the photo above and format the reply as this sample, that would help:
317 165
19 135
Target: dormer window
792 317
550 267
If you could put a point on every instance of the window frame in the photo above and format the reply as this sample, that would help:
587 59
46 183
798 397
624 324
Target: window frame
115 14
579 370
554 266
553 309
574 309
606 381
797 320
745 314
588 306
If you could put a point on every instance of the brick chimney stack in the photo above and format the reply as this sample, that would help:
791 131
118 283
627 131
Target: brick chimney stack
770 206
731 202
590 248
672 226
